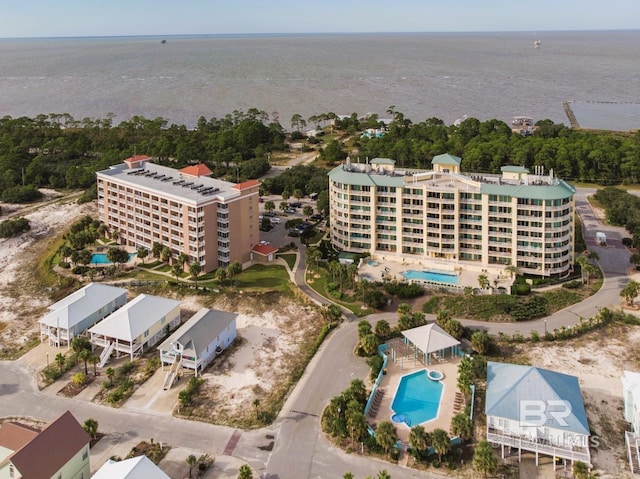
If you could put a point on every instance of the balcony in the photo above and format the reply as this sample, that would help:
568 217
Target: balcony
539 445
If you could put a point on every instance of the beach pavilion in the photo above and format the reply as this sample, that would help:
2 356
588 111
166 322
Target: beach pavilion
428 343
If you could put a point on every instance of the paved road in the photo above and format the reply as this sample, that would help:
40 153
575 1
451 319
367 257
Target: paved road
300 450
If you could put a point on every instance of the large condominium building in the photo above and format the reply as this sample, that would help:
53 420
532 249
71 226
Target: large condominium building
453 219
212 221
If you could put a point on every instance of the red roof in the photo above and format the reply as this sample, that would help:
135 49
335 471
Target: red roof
196 170
246 184
264 249
13 436
53 448
135 158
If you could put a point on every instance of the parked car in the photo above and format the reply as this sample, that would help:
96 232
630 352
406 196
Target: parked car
296 204
294 232
316 217
263 243
275 220
289 210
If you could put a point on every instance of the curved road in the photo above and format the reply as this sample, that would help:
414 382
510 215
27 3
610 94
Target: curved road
300 449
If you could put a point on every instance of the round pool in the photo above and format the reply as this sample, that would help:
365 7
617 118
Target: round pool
399 418
435 375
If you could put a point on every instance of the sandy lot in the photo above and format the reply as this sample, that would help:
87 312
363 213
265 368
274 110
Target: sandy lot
21 303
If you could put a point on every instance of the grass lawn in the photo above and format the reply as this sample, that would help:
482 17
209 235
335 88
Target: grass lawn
290 258
150 265
260 277
317 236
164 269
318 282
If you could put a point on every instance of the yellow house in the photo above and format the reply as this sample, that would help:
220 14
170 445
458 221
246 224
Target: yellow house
141 323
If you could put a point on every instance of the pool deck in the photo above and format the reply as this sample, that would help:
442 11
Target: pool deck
390 383
467 275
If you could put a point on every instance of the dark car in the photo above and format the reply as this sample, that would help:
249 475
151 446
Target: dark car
294 232
297 204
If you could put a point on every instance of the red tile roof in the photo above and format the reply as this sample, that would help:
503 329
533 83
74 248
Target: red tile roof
196 170
135 158
264 249
246 184
14 436
53 448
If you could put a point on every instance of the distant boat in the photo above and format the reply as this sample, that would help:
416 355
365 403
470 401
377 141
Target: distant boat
460 120
537 44
163 41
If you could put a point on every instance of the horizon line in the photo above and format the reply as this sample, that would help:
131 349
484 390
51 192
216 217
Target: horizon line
244 34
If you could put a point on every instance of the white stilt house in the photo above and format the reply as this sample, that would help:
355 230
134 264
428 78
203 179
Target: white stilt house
142 322
536 410
79 311
631 400
197 342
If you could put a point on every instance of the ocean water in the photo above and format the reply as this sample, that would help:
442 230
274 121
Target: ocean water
483 75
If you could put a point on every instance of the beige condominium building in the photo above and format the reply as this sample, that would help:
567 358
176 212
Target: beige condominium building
444 218
214 222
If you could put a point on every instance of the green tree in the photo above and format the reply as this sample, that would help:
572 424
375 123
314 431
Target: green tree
440 442
84 356
298 194
314 254
60 359
386 436
245 472
91 427
233 269
191 461
454 328
419 440
480 342
332 314
269 206
142 253
581 471
165 254
630 291
283 206
364 328
370 344
256 404
462 426
484 460
382 329
348 475
483 281
94 359
404 309
221 275
468 295
356 421
117 256
156 249
307 210
176 270
512 270
195 269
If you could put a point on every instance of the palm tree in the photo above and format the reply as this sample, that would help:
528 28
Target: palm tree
283 206
582 262
91 427
84 356
307 210
142 253
480 342
440 442
332 314
483 458
370 344
386 436
404 309
483 281
245 472
630 291
195 269
356 422
177 270
156 249
580 470
419 440
314 254
110 372
348 475
269 206
60 359
183 259
512 270
468 294
382 329
165 253
94 359
383 474
191 461
462 426
221 275
233 269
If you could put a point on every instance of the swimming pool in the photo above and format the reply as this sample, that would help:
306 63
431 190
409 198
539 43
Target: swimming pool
417 398
101 258
431 276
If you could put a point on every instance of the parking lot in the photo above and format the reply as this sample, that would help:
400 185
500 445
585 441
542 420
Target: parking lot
278 236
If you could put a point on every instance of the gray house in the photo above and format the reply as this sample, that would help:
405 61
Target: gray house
79 311
197 342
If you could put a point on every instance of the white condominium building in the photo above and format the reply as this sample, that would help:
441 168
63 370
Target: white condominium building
474 220
214 222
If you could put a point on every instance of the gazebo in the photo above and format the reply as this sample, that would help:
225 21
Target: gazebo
426 343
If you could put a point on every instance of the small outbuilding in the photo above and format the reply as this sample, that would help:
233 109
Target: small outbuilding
142 322
197 342
79 311
263 253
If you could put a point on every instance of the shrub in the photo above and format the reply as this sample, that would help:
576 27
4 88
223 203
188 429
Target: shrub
11 228
521 289
375 363
404 290
81 270
628 242
572 284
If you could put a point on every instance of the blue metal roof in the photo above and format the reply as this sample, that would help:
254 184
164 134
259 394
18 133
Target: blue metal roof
510 384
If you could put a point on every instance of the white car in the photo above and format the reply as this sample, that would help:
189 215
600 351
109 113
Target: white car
275 220
263 243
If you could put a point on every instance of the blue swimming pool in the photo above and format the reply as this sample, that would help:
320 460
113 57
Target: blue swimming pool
417 398
101 258
431 276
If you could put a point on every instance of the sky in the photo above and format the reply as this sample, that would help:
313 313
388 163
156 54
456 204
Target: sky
73 18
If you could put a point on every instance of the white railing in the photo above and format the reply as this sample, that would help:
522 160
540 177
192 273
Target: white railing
529 445
171 374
